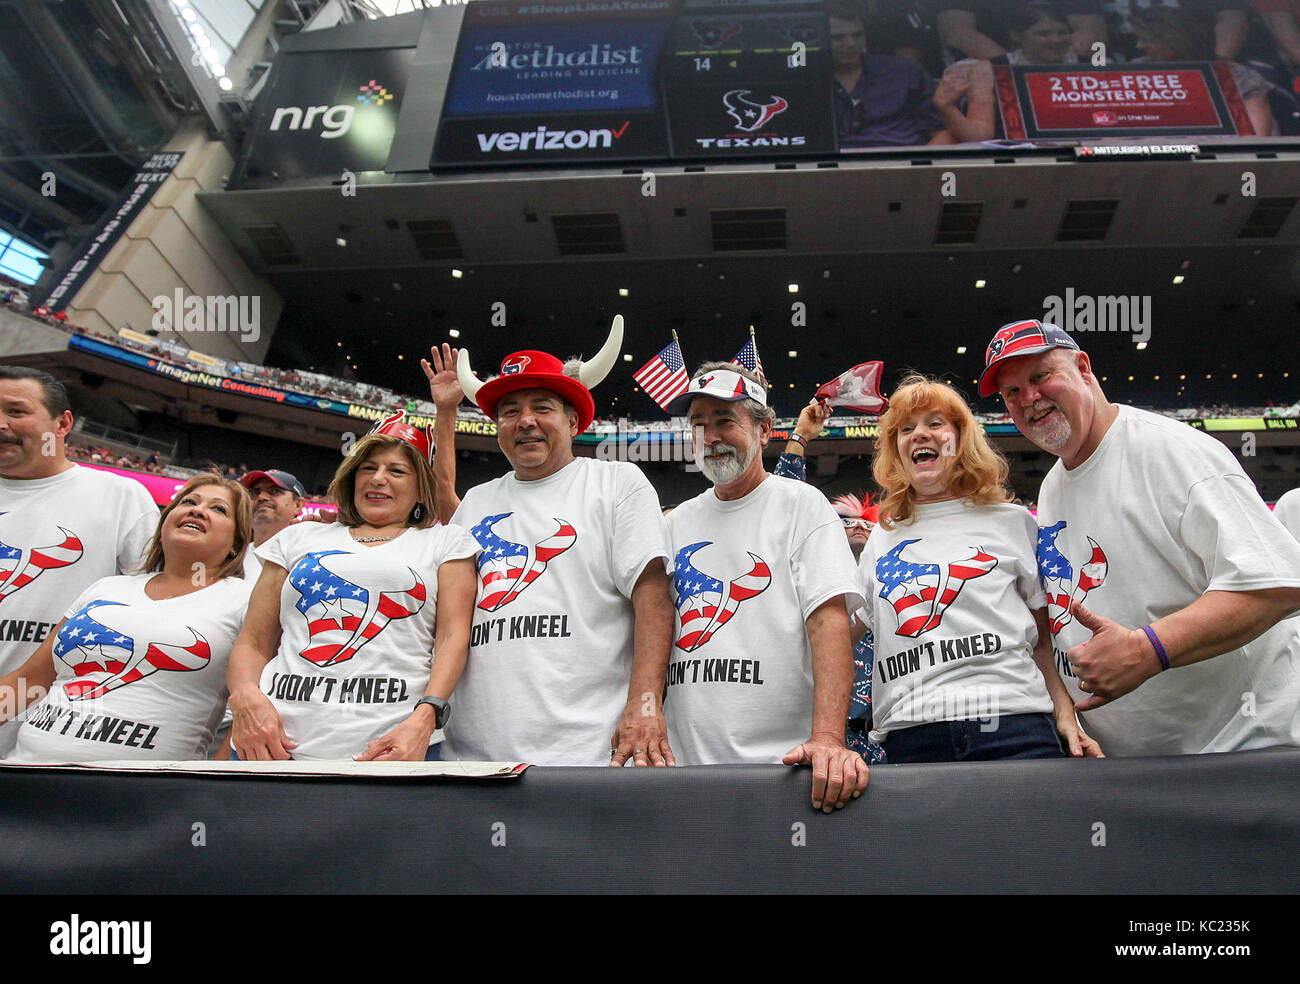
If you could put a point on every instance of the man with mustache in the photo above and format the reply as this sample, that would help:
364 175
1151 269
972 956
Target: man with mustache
1186 644
62 526
277 498
762 665
572 621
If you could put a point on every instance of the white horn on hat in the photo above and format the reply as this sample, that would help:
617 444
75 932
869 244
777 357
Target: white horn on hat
593 371
468 381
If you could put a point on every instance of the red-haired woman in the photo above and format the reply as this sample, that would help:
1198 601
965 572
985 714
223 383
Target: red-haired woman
964 668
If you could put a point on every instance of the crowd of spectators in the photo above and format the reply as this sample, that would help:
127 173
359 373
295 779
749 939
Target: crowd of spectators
153 462
380 398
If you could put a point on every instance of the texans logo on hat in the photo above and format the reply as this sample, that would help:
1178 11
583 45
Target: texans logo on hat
1017 339
723 384
396 425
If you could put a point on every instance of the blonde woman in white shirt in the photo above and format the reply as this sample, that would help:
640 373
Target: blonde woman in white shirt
964 666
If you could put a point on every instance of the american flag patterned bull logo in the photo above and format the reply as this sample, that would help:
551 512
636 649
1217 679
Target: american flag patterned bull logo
515 364
506 568
1058 576
348 599
21 565
704 603
120 645
921 593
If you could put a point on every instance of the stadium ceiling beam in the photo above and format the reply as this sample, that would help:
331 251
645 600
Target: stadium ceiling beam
82 83
202 86
51 212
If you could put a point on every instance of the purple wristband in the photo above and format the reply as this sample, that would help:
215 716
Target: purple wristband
1160 650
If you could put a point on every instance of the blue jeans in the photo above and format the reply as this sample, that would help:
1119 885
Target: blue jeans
1012 736
434 754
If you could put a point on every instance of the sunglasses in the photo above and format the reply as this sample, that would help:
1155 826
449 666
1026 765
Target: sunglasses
849 522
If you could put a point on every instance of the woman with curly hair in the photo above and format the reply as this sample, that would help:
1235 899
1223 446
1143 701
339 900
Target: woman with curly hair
964 668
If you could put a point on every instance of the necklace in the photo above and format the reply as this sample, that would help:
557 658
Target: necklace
374 539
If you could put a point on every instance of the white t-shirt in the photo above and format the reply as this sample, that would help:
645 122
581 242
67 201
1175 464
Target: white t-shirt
58 536
1287 511
952 599
748 573
136 678
357 632
551 650
1158 515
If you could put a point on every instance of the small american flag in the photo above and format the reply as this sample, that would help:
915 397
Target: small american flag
664 377
748 357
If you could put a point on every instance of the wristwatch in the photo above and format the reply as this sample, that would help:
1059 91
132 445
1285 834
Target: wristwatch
441 710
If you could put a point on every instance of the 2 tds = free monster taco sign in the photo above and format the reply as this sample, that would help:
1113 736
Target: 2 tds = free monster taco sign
1135 99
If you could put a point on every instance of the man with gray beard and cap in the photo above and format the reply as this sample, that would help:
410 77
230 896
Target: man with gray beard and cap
1187 643
762 664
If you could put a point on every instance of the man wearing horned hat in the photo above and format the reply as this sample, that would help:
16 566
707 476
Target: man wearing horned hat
573 619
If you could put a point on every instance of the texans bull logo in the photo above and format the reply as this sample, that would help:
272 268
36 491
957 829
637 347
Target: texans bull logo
712 33
50 548
122 645
348 599
921 593
1058 576
704 604
805 32
506 568
751 116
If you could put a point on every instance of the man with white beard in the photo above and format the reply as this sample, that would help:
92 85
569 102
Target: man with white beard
763 586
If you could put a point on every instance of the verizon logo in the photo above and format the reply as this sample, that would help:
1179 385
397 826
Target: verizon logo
544 139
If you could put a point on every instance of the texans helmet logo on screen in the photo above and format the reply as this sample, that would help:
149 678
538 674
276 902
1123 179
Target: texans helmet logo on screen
712 33
30 554
115 645
751 116
506 568
704 604
805 32
348 599
1058 576
921 593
